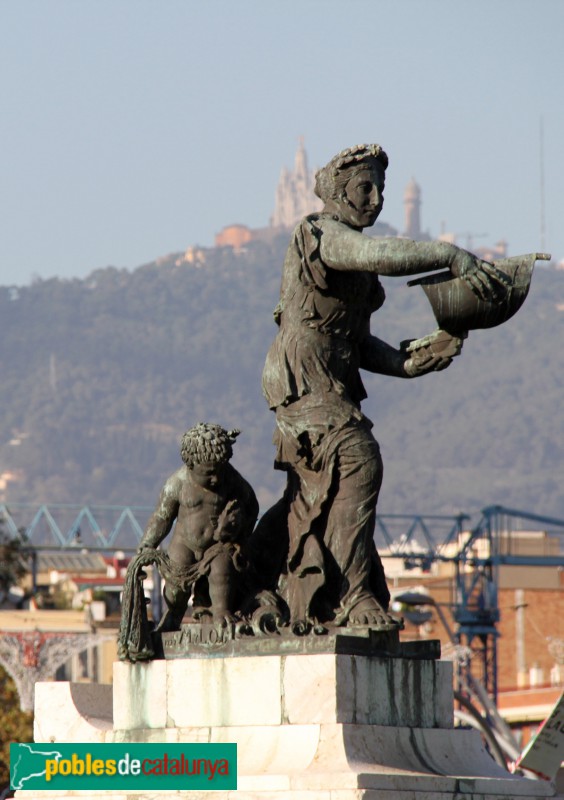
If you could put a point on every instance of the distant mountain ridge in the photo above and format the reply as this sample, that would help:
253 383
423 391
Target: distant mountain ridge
101 376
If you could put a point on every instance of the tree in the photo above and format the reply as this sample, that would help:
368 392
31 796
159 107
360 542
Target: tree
13 564
17 725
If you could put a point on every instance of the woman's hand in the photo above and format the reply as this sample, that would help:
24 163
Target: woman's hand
430 354
484 279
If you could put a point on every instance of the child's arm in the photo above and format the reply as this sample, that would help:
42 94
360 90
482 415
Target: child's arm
164 515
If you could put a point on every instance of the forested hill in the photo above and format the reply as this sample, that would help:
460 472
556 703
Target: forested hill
101 376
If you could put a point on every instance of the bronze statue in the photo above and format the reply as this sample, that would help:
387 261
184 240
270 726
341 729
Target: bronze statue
319 537
311 564
215 510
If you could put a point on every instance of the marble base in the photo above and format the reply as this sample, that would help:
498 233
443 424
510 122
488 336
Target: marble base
308 727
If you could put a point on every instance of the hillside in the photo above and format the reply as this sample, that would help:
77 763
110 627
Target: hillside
100 377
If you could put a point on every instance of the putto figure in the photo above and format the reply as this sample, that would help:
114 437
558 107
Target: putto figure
215 510
320 535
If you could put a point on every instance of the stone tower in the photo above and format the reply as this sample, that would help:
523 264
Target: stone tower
294 194
412 205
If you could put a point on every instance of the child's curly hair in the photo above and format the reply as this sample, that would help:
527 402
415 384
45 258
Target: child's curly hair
207 443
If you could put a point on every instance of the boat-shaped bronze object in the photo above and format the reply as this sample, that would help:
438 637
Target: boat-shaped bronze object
457 308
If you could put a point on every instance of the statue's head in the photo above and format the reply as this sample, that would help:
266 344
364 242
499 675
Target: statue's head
207 444
351 185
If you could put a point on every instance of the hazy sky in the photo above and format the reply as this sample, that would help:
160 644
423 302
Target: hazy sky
131 129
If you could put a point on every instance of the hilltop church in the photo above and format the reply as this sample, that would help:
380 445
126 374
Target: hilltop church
295 197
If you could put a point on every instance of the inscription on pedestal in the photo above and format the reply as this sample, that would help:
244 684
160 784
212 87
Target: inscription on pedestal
198 635
201 639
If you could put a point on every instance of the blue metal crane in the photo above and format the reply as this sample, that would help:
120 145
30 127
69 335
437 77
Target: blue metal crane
477 554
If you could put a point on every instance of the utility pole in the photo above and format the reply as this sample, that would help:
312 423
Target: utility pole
542 215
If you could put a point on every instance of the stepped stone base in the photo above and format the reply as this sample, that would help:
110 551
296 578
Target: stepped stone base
308 727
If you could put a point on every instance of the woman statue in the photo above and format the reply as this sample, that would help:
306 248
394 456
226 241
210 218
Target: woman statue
315 547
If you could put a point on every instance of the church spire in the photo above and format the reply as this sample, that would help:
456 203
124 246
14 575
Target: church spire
300 162
294 194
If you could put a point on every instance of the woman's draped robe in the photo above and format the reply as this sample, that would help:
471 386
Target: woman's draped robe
324 442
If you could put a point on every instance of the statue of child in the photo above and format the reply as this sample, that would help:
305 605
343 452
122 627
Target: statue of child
215 510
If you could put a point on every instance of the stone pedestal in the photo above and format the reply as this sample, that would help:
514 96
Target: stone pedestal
308 727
